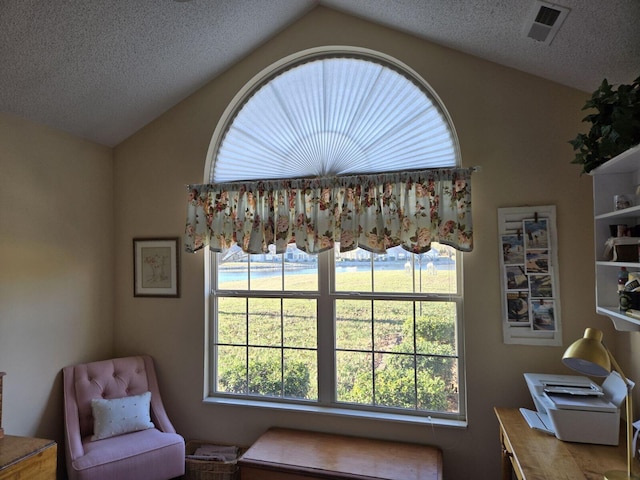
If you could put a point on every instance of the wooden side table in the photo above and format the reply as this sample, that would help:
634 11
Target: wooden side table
284 454
28 458
535 455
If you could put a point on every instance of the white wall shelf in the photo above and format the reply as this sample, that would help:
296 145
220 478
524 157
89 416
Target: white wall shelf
627 212
620 175
621 321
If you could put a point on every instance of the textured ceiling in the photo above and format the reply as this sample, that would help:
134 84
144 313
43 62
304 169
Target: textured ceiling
102 69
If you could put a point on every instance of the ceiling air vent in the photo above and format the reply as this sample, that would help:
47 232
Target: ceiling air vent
544 21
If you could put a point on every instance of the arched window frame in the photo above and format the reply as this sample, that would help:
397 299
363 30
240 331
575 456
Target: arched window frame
326 404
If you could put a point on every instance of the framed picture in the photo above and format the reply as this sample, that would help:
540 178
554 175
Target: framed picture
541 285
537 261
536 233
543 314
155 267
518 307
517 278
529 271
512 249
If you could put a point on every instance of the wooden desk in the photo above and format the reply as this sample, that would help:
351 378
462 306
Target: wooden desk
283 454
28 458
535 455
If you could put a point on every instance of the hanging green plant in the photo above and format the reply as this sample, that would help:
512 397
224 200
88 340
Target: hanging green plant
615 126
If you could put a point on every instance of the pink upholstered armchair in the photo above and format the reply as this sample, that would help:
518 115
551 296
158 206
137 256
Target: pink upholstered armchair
105 448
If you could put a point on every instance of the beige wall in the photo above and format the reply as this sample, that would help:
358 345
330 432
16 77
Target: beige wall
66 266
56 268
515 126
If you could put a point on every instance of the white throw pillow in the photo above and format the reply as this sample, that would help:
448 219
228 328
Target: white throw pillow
116 416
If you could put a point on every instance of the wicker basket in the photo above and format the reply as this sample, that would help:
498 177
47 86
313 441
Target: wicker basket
196 469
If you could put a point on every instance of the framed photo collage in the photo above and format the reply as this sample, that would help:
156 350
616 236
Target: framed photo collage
529 275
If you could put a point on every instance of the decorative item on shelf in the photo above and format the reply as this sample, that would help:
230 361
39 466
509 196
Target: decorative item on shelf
623 278
589 356
615 125
620 230
629 300
2 374
620 202
622 249
628 292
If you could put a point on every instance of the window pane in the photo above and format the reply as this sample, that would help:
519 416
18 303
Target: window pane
265 372
353 270
299 323
354 377
353 324
435 271
232 320
392 271
300 374
436 328
395 381
233 269
265 322
437 384
265 272
393 324
300 270
232 370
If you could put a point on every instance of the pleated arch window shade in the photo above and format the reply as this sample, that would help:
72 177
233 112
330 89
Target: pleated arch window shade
310 145
335 115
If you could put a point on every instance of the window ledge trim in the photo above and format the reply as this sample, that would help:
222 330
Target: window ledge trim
338 412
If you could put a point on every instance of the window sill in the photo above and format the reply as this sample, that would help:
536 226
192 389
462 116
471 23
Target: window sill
338 412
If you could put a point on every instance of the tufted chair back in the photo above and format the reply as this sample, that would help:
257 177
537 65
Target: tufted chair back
116 378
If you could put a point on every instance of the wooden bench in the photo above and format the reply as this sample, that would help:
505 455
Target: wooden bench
286 454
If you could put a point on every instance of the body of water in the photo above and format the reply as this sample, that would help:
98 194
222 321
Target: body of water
268 270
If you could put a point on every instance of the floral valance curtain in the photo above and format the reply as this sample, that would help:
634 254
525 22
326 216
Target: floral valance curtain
374 212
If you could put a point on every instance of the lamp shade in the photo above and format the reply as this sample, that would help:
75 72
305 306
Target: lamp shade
588 355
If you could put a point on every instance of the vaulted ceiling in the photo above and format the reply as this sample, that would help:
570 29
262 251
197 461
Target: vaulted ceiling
102 69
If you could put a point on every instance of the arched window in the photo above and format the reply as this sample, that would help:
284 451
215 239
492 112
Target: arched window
332 112
299 324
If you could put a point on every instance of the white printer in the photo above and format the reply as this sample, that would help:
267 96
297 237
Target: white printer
575 409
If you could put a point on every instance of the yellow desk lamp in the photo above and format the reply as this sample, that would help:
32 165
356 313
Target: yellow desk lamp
589 356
